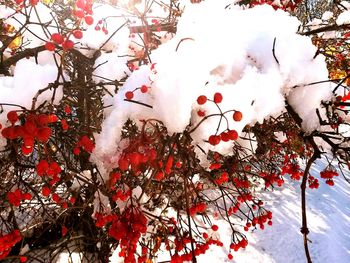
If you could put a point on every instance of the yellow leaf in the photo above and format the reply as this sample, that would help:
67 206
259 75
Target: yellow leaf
47 2
329 50
337 74
9 29
16 43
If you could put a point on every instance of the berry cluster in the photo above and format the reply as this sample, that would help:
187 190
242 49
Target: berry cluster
197 208
34 127
328 174
8 241
127 230
129 95
84 143
17 196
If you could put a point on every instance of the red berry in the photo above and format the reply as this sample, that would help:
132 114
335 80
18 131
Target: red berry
67 109
144 88
80 4
129 95
229 256
64 230
33 3
214 140
217 97
42 167
27 150
123 164
201 100
233 135
68 44
72 200
78 13
237 116
57 38
225 137
46 191
89 20
201 113
52 118
77 34
159 176
27 196
22 259
56 198
12 116
44 134
50 46
214 227
76 151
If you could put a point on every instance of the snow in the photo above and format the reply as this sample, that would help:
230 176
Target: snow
328 215
203 58
327 15
343 18
28 78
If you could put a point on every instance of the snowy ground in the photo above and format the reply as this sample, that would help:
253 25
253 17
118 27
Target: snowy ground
328 221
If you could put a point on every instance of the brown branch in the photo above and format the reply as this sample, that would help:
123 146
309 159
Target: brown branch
30 52
153 28
304 229
325 29
273 51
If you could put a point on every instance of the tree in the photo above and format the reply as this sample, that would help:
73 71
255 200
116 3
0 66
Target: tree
136 125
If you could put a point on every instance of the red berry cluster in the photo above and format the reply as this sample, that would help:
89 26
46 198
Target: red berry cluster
293 170
244 197
83 10
129 95
285 5
136 160
31 2
17 196
328 174
35 128
84 143
102 220
197 208
241 183
313 182
8 241
199 249
243 243
262 219
113 179
224 136
52 170
202 99
127 229
233 209
104 26
121 195
58 39
271 178
222 178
